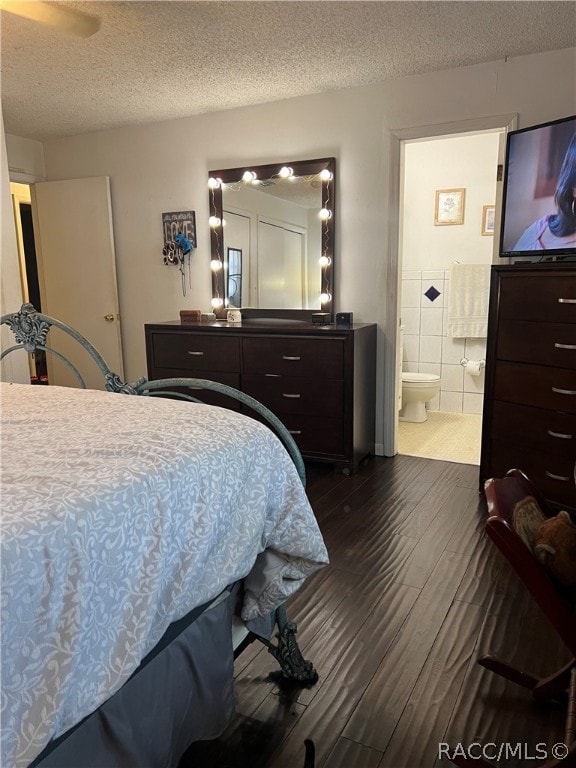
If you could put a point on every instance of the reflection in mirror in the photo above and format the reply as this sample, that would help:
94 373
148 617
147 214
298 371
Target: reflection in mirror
272 238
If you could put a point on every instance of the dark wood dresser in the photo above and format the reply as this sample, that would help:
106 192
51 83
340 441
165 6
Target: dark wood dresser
319 380
529 418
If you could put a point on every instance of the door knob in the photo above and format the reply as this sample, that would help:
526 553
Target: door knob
109 318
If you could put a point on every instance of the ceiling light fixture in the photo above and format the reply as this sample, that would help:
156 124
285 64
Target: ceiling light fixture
67 19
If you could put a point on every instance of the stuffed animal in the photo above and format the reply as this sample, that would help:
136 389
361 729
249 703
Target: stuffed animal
183 243
555 547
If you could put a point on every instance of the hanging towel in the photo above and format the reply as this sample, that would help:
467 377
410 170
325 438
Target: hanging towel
468 301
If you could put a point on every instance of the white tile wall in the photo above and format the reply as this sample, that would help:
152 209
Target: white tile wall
428 348
411 293
431 321
451 401
472 403
452 378
411 321
434 368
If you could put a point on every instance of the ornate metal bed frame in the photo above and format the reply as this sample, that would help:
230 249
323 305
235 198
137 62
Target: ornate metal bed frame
31 328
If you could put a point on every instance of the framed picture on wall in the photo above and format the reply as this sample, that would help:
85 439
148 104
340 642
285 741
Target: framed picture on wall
179 221
449 208
488 216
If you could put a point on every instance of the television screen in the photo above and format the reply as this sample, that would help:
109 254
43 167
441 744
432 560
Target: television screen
538 209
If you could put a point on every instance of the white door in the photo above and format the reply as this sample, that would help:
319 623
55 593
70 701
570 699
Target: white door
77 273
280 266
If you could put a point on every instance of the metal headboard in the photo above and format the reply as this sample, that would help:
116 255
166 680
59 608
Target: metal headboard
31 328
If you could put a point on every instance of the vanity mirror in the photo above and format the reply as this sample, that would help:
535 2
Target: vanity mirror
272 238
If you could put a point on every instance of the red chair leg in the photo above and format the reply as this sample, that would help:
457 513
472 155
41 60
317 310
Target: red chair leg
555 685
543 689
509 673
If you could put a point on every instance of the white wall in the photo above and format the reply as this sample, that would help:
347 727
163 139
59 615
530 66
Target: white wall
164 167
468 162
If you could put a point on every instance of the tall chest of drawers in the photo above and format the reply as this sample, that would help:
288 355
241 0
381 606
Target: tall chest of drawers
319 380
529 417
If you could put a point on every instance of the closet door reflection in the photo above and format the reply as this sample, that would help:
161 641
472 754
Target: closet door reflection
281 254
238 228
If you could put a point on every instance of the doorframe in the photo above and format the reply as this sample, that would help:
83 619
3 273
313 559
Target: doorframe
392 276
20 193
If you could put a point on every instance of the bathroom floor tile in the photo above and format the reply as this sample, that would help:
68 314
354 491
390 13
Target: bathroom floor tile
446 436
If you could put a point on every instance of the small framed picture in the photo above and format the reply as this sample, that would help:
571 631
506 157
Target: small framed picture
488 215
449 207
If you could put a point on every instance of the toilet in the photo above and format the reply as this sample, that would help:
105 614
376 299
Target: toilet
417 390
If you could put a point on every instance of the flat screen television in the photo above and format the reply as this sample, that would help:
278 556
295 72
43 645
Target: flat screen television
538 207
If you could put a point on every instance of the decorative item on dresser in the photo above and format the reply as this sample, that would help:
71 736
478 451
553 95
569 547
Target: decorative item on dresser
529 417
319 380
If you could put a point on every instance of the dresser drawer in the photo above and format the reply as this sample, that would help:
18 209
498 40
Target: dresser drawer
550 431
188 352
206 395
552 474
310 358
316 436
285 395
542 343
547 298
540 386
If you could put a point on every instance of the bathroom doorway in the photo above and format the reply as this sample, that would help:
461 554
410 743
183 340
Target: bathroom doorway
22 208
448 190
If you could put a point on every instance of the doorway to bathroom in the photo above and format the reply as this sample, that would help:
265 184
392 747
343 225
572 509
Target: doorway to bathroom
448 193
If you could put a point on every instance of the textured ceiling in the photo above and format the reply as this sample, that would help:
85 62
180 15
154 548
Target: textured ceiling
161 60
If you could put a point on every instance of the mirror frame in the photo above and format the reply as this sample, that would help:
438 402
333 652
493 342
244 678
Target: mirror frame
299 168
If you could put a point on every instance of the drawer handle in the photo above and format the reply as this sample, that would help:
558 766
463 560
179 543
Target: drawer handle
560 434
292 397
196 353
566 301
552 476
272 375
564 346
564 391
295 431
290 357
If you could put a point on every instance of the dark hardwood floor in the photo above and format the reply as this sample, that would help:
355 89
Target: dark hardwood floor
413 595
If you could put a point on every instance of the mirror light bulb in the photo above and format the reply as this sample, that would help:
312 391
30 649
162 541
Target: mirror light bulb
216 302
214 221
214 183
285 172
324 261
215 265
325 175
248 176
325 214
325 297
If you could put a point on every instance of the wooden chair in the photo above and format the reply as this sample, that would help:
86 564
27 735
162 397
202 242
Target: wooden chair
502 495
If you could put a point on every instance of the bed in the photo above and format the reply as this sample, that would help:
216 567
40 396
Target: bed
135 531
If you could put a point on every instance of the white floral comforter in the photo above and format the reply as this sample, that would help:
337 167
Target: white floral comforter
119 515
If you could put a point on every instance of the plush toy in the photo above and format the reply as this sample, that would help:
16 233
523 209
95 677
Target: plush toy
555 547
183 243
